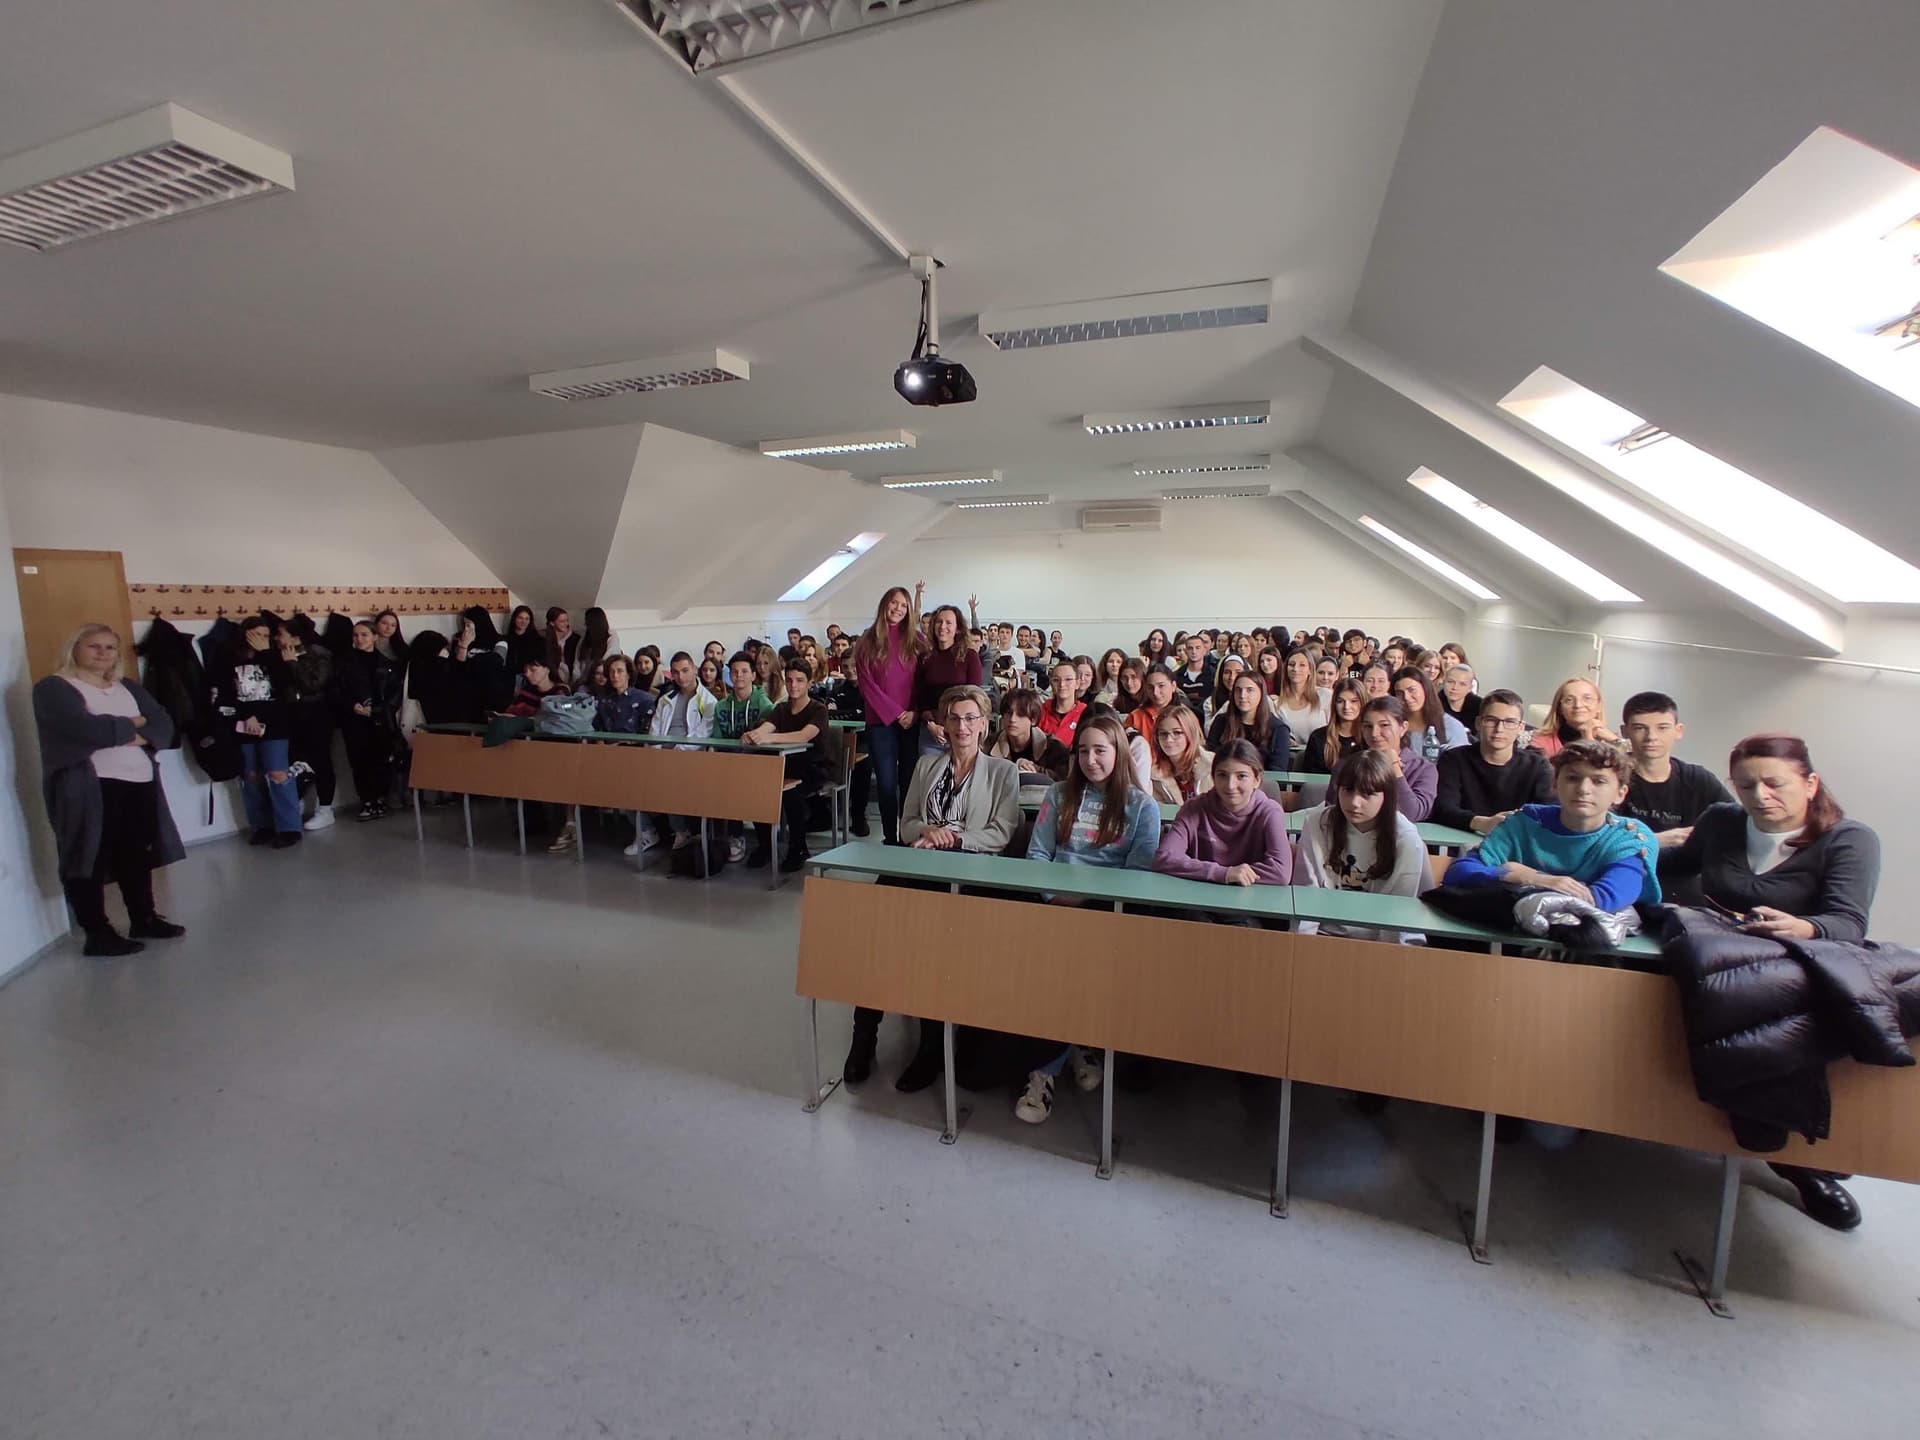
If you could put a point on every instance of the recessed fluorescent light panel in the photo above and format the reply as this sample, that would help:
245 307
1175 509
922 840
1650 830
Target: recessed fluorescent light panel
1823 248
1004 502
814 579
1522 541
1167 312
1427 558
1220 492
637 377
854 444
710 35
1192 417
941 480
1718 498
1223 465
156 165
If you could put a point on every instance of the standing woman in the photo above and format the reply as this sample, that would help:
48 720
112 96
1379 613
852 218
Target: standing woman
1106 687
310 711
1182 765
369 720
595 646
524 641
98 734
1299 701
884 659
1787 860
1248 716
251 692
1340 736
562 646
1576 713
951 660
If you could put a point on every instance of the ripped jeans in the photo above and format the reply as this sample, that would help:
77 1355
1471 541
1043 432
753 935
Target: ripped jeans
271 804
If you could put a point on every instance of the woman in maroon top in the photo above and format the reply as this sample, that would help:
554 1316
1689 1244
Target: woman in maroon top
951 661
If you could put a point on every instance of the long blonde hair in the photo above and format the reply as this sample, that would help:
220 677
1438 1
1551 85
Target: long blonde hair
70 665
878 643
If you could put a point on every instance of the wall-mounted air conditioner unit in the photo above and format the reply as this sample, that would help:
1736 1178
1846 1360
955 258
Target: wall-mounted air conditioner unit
1100 519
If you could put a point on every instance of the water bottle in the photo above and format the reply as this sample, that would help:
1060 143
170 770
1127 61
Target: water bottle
1430 745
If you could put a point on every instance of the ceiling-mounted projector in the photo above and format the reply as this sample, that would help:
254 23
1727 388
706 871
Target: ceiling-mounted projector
924 378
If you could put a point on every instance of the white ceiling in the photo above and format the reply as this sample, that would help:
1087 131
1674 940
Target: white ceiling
499 187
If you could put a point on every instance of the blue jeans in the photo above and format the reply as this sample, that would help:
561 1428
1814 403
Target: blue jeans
270 804
892 749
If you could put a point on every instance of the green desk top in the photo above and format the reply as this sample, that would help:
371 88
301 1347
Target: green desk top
849 724
1032 797
1086 882
1398 912
1289 779
692 742
1434 837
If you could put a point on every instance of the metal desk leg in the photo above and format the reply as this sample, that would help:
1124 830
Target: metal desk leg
1476 1224
1105 1170
579 838
952 1132
1278 1206
818 1095
1713 1288
419 826
706 855
520 815
773 861
466 809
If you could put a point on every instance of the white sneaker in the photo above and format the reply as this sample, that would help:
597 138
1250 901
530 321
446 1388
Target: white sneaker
632 850
1089 1067
563 842
322 818
682 839
736 849
1037 1104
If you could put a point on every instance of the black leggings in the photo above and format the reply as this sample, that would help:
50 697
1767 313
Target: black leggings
313 743
369 752
129 826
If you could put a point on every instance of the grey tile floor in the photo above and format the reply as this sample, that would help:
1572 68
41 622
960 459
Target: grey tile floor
407 1142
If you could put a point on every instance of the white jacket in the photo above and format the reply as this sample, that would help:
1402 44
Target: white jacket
699 714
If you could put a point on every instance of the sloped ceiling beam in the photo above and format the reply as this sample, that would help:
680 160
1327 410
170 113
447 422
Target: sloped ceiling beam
1827 630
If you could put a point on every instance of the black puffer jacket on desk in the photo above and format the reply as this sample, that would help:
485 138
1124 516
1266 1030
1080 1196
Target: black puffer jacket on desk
1765 1018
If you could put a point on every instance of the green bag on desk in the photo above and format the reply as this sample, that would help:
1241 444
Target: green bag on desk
502 728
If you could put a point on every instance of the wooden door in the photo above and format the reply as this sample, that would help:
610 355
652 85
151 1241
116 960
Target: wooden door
61 590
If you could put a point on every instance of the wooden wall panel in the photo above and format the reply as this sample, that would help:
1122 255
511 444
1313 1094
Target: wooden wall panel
1182 990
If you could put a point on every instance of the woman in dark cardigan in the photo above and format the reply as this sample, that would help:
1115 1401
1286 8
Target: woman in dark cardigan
1790 865
98 734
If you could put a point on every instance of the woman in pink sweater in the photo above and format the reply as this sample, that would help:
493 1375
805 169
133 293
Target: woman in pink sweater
884 659
1233 834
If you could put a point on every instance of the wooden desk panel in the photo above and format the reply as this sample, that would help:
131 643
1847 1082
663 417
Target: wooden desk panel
1181 990
517 770
682 782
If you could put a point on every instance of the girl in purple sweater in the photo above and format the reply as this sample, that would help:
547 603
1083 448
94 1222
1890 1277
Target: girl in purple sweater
1233 834
884 659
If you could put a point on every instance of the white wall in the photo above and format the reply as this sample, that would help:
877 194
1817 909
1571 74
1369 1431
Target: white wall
1726 695
32 912
1230 562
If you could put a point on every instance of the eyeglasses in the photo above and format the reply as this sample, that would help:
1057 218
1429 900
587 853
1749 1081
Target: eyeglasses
1494 723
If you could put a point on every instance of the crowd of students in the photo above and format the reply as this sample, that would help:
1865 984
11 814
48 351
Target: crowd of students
960 717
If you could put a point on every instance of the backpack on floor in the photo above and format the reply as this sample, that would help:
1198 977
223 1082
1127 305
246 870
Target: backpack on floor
567 715
688 860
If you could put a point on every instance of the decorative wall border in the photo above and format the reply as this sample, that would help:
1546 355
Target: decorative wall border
212 602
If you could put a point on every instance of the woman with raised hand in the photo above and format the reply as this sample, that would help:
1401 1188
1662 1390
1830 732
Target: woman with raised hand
98 735
949 660
885 658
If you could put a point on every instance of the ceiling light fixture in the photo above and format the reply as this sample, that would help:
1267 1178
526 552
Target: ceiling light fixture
1222 492
1166 312
1243 464
854 444
156 165
1427 558
637 377
1523 541
941 479
710 35
1004 502
1191 417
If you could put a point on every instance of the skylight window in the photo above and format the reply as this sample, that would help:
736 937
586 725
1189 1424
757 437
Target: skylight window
822 573
1427 558
1719 498
1823 248
1527 543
